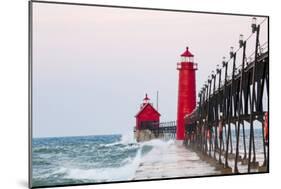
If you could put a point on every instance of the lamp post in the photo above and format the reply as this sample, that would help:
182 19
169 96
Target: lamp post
254 25
231 52
241 41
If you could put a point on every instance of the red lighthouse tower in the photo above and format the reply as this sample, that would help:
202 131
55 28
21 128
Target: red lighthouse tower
186 90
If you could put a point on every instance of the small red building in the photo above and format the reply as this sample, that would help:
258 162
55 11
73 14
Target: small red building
148 116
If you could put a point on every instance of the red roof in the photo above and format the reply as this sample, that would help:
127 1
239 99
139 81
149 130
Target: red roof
144 107
187 53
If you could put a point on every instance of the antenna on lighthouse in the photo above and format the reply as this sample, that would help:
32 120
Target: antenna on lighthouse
157 94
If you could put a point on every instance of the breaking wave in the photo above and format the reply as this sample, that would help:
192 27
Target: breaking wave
89 159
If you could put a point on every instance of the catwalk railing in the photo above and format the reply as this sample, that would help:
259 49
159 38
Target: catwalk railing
230 102
166 130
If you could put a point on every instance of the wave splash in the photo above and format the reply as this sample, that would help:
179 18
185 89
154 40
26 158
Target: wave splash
89 159
125 172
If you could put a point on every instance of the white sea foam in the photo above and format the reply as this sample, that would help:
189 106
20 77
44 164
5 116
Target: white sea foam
110 144
157 143
125 172
61 170
127 138
160 148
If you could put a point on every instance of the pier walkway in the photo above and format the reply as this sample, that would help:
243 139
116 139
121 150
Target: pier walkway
172 161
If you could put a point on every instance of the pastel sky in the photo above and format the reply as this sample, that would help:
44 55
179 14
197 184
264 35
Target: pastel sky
93 65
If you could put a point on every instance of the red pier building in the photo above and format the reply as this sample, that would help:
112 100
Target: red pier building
148 116
186 90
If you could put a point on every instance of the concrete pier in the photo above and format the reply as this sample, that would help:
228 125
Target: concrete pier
173 161
145 135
